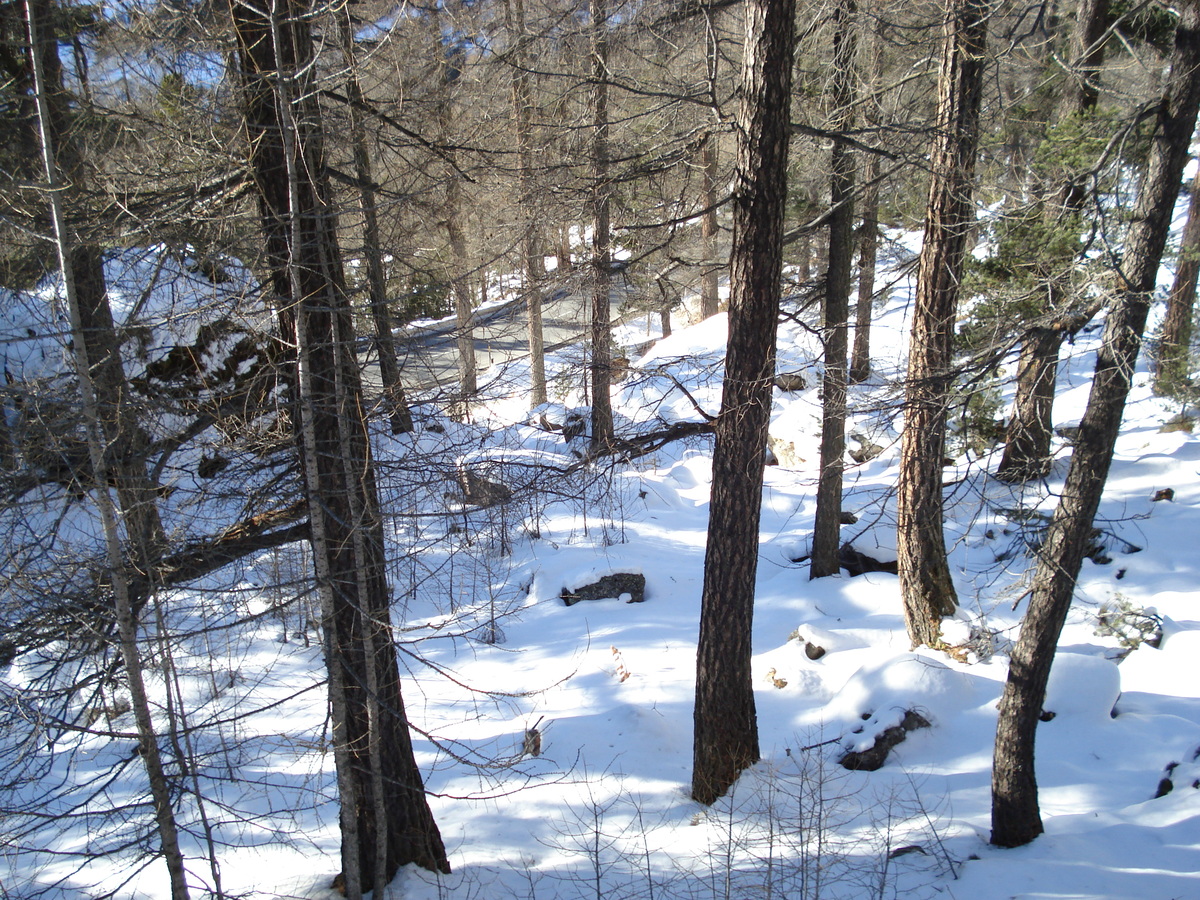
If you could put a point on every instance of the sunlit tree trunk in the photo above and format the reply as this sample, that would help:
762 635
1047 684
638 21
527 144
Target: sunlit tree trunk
709 229
386 821
1030 429
385 344
1016 818
726 727
1175 343
531 241
464 334
925 582
827 527
601 362
868 238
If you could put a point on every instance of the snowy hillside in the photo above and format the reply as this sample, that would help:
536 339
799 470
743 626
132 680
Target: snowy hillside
556 738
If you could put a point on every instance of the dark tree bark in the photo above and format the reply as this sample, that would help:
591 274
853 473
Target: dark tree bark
385 344
450 65
868 250
531 241
1016 819
925 582
726 730
709 230
1175 343
1030 429
123 434
601 362
868 239
386 821
116 443
1029 434
827 527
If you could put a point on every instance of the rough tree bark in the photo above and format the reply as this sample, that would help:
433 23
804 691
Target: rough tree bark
1030 428
531 240
385 345
601 361
1175 343
386 821
1016 819
868 238
709 229
827 527
726 729
925 583
464 335
709 226
103 391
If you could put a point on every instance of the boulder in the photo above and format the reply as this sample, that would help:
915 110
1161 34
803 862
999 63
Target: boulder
479 491
628 585
790 382
874 756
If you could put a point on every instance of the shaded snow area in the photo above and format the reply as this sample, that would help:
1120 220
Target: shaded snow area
556 740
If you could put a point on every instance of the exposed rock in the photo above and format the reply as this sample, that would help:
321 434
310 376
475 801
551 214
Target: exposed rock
874 756
812 651
784 452
630 585
855 562
1164 494
866 450
574 426
790 382
479 491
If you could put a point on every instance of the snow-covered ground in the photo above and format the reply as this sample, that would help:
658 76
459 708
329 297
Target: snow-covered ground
493 653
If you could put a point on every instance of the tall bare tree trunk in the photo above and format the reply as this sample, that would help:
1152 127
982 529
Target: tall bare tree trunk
452 211
385 344
726 727
709 229
110 424
531 241
925 582
827 527
601 363
868 249
1016 819
1175 343
1030 429
868 239
386 821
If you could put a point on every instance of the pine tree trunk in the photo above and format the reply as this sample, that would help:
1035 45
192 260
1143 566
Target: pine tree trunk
385 345
1030 428
103 391
1016 819
386 821
827 527
531 242
709 230
1027 441
1175 343
925 582
464 334
125 436
868 249
726 729
601 362
868 239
